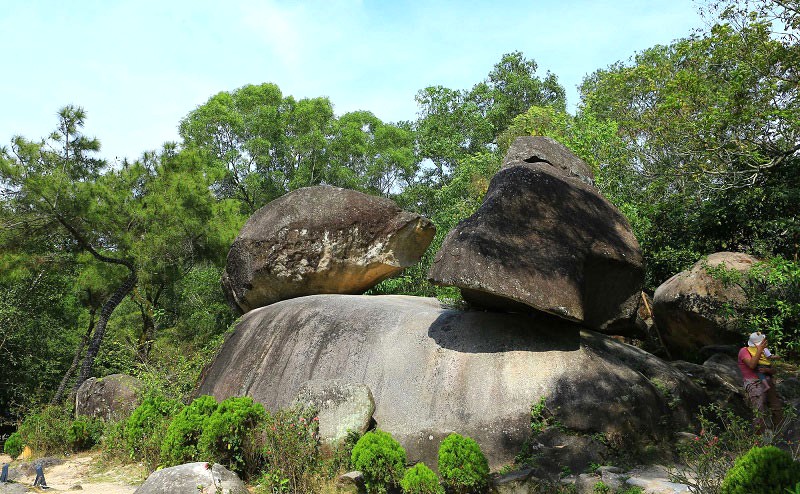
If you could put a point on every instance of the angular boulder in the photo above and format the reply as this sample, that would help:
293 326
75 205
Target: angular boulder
544 240
321 240
433 370
541 149
108 397
689 308
193 478
343 407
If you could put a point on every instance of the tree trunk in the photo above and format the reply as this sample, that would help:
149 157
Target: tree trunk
148 333
108 308
75 360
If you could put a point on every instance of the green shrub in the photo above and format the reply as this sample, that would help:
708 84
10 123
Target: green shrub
46 431
84 433
765 470
291 447
462 465
13 446
381 459
420 479
146 428
113 445
180 442
228 433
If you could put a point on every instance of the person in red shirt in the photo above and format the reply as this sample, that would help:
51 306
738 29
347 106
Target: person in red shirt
760 390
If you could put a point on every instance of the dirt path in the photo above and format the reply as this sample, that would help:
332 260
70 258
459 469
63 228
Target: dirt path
82 470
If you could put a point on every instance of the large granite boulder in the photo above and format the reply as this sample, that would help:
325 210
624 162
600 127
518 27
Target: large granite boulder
108 397
433 371
342 407
690 307
545 240
321 240
541 149
193 478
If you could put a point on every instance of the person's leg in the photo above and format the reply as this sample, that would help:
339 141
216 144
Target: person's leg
756 395
775 405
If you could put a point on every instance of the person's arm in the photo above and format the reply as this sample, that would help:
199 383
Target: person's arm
752 361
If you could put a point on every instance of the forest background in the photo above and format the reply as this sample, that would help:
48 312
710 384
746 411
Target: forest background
115 267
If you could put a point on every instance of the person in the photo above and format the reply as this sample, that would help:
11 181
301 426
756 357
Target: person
4 474
758 385
39 480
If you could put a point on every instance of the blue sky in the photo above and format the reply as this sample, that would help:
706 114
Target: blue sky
138 67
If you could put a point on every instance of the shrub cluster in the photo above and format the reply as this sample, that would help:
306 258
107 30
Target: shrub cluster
381 459
291 448
13 446
462 464
766 470
180 442
420 479
51 430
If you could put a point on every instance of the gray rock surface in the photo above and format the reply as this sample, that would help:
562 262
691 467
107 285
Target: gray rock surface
726 367
351 483
720 389
545 241
108 397
688 307
13 488
193 478
519 482
321 240
434 371
343 406
540 149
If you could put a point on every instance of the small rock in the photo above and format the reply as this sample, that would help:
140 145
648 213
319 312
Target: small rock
198 477
343 407
517 482
351 483
76 487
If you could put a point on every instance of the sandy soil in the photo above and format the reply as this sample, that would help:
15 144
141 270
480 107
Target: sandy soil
82 470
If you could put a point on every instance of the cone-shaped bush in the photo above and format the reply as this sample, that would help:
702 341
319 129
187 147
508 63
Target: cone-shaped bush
766 470
462 464
420 479
381 459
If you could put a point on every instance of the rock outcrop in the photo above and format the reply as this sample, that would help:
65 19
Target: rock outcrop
343 407
108 397
540 149
321 240
546 240
434 371
689 307
199 477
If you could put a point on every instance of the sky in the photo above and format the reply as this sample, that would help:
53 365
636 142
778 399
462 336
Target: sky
138 67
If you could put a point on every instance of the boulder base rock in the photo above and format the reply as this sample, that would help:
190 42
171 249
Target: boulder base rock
545 241
321 240
433 371
108 397
343 407
193 478
688 308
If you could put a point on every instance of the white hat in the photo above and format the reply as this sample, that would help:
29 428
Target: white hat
755 338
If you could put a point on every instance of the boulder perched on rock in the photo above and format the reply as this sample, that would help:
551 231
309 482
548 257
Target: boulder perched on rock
544 240
193 478
343 407
321 240
433 370
689 307
541 149
108 397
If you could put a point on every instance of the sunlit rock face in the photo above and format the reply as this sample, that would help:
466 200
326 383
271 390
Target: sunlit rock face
321 240
545 239
434 370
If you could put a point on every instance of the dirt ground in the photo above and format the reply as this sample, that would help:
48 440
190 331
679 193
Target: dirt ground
82 470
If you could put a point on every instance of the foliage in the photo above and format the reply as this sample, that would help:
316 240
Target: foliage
381 459
84 432
772 291
46 430
420 479
462 465
13 445
180 442
227 435
291 447
146 427
113 443
766 470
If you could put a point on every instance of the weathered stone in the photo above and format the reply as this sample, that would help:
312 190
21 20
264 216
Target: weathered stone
321 240
351 483
689 307
545 241
193 478
540 149
720 389
343 407
519 482
108 397
726 367
13 488
434 371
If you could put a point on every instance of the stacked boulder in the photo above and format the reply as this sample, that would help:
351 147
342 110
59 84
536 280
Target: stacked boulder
550 257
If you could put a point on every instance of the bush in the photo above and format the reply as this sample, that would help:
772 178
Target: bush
228 433
766 470
462 465
13 446
381 459
291 447
180 442
46 430
146 428
84 433
420 479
